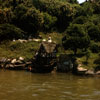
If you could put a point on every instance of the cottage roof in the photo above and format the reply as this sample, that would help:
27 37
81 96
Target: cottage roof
49 46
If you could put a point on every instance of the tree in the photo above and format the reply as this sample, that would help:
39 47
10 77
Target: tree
73 1
76 38
49 21
6 15
63 11
85 10
10 32
94 32
32 21
80 20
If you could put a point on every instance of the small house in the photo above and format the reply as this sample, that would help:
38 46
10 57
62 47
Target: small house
45 58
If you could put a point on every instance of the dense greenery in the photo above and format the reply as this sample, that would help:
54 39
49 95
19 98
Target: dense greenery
79 24
34 16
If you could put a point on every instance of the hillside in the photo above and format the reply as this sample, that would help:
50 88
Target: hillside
76 27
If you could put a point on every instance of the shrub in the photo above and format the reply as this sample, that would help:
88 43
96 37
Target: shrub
10 32
95 48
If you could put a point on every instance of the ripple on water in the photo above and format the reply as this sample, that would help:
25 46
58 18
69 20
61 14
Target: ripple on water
42 90
34 95
26 86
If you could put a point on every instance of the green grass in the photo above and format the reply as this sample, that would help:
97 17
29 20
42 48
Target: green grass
17 49
27 50
91 60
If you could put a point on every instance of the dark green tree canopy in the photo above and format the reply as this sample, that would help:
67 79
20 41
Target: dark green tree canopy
76 38
10 32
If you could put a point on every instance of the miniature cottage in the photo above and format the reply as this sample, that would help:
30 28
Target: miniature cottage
45 58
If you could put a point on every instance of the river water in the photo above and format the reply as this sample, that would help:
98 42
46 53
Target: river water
21 85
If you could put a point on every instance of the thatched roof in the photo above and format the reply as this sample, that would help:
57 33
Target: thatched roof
49 46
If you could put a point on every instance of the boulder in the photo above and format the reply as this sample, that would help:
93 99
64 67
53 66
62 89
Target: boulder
98 73
13 61
81 69
15 67
18 62
89 72
21 58
9 66
3 60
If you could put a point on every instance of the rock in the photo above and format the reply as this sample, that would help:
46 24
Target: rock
98 73
18 62
36 40
3 60
21 58
9 60
15 67
89 72
29 39
28 63
9 66
13 61
82 69
44 40
14 40
22 41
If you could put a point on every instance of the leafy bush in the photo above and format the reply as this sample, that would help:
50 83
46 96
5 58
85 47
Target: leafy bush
95 48
76 38
49 21
10 32
94 32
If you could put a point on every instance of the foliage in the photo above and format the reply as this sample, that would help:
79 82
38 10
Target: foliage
95 48
80 24
6 15
10 32
49 21
94 32
76 38
63 11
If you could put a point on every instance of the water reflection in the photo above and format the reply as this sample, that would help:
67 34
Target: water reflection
21 85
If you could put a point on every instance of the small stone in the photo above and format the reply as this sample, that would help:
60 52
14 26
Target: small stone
90 72
21 58
98 73
81 69
13 61
18 62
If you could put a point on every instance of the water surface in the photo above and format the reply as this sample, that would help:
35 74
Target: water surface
21 85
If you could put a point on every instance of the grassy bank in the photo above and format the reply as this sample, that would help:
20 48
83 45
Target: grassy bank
15 49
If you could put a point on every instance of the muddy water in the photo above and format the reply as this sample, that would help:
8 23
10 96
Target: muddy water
21 85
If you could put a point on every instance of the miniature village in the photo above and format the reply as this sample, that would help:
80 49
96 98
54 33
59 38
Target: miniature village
45 60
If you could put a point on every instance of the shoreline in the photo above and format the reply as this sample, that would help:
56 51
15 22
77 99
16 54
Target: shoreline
20 64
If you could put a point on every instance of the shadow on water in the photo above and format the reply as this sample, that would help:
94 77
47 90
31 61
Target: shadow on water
21 85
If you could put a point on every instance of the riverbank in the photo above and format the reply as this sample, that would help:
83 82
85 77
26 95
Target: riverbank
26 49
62 67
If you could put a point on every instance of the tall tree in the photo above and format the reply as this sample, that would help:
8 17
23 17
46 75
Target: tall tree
76 38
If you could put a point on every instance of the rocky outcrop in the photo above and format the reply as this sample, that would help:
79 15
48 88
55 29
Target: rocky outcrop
14 64
90 73
64 65
86 72
81 70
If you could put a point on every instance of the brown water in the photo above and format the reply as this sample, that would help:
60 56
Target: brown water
21 85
